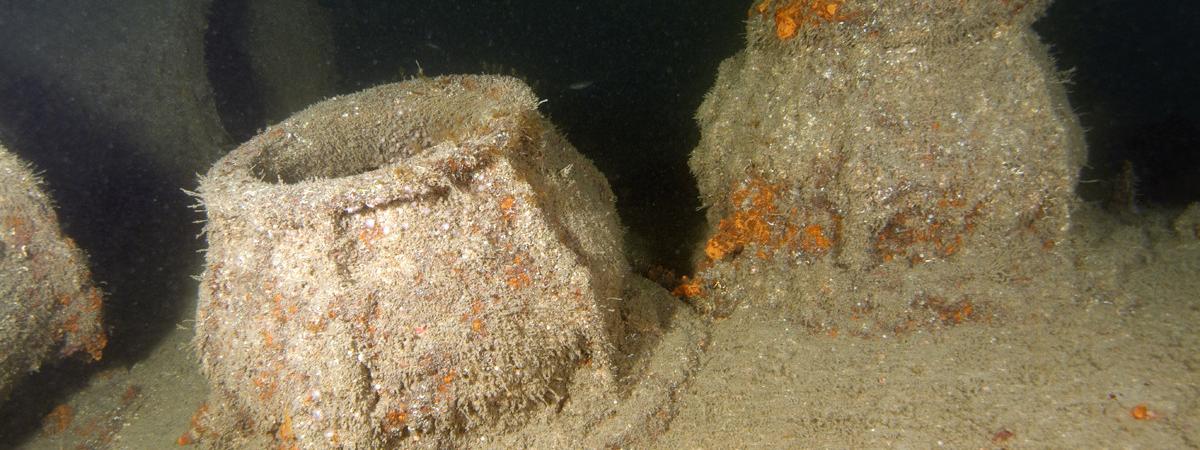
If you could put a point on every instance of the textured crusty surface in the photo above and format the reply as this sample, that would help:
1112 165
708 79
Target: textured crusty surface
411 263
48 305
886 22
917 181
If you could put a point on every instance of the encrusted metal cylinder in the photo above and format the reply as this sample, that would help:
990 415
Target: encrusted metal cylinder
875 166
48 305
419 259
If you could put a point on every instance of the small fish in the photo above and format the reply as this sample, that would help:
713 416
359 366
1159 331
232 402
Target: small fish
580 85
429 41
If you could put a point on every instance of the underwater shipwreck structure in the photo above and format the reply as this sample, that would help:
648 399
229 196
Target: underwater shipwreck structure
49 306
432 264
427 261
875 166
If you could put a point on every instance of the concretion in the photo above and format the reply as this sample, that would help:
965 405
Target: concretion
887 165
412 263
49 307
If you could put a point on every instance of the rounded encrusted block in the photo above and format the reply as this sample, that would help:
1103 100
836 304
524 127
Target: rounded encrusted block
416 260
878 185
47 299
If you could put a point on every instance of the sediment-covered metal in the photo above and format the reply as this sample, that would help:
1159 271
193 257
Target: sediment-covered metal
417 260
876 166
49 307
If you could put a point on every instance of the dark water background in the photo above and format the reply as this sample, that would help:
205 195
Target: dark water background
1136 87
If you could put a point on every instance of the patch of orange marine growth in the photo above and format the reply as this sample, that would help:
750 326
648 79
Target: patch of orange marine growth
197 427
395 421
94 345
754 205
814 240
790 16
956 313
58 420
688 288
506 208
1142 412
919 235
285 436
756 219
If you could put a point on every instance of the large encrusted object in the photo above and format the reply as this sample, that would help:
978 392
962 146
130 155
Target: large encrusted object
418 259
864 175
47 299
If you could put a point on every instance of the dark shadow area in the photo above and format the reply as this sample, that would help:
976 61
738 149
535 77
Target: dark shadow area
1168 154
622 80
35 396
229 72
134 224
1136 90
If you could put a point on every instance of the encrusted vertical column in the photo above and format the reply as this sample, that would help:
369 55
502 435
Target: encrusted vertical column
423 258
47 299
874 166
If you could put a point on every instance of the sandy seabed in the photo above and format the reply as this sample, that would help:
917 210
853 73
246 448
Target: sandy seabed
1071 375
